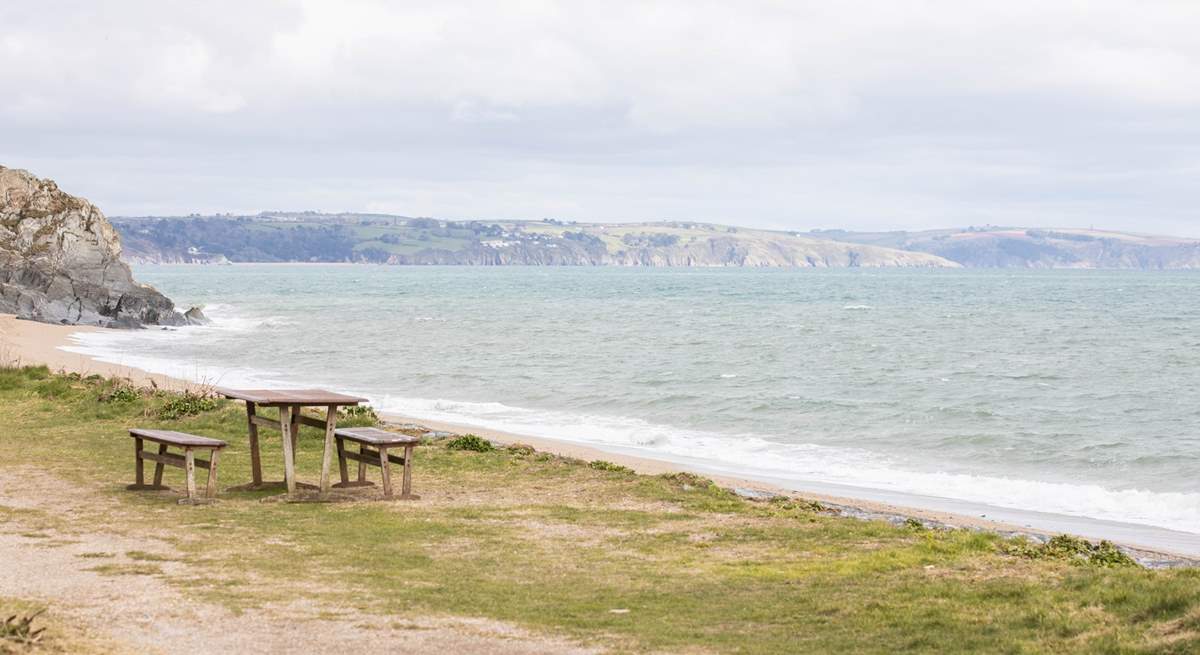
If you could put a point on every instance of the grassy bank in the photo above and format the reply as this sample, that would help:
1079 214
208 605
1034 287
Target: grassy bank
587 551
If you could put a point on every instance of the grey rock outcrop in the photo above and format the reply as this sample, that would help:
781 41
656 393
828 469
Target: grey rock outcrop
60 261
195 316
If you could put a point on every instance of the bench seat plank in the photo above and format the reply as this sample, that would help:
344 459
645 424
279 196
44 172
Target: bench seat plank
376 437
173 438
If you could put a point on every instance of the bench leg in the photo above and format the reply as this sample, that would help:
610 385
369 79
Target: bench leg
255 459
211 491
385 466
330 426
406 484
140 465
139 468
289 458
362 466
189 466
341 451
158 466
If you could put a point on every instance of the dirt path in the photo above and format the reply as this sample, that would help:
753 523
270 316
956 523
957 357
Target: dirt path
144 613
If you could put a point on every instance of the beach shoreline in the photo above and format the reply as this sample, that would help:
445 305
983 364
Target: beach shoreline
24 342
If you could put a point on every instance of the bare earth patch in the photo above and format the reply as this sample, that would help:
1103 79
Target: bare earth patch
115 589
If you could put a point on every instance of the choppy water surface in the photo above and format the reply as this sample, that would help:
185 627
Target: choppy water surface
1076 392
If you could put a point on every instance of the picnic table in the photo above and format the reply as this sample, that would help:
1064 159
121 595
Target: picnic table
289 402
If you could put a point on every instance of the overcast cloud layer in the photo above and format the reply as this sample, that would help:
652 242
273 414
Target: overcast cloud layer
794 115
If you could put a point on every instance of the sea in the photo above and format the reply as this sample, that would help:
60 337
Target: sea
999 393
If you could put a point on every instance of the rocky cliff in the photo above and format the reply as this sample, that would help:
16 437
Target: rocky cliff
60 261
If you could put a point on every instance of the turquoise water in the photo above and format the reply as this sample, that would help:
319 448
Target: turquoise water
1074 392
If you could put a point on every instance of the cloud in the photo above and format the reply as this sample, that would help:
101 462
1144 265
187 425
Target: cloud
788 114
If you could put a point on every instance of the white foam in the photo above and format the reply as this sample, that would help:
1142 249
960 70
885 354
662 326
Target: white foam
732 454
749 455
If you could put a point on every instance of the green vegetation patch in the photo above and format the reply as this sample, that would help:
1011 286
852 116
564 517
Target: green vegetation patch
1069 548
602 465
633 563
188 403
470 442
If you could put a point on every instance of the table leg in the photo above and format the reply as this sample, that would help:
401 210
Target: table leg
385 471
406 485
255 458
295 433
330 426
341 448
289 461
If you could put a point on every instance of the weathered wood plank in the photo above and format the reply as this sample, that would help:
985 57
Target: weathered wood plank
341 452
371 457
158 466
316 422
289 461
189 467
386 470
172 459
139 466
264 421
406 484
255 456
181 439
330 425
295 432
280 397
211 490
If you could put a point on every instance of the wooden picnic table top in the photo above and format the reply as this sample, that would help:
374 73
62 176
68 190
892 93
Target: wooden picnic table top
274 397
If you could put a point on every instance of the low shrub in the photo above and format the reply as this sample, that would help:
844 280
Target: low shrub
187 403
357 416
688 480
1069 548
799 504
601 465
470 442
520 449
120 394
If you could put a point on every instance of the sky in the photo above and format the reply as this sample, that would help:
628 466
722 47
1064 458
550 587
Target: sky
792 115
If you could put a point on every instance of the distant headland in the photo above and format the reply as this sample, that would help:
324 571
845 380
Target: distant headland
393 239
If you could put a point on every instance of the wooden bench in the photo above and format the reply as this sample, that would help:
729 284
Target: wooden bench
381 441
187 461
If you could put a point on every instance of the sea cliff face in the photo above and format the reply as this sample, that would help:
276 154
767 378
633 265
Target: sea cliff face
60 261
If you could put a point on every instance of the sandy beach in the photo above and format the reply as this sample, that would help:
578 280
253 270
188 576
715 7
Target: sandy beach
31 343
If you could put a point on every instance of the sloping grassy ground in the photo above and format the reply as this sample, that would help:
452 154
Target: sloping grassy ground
634 563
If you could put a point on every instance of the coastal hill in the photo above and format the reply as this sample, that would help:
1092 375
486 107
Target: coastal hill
376 238
1008 247
60 261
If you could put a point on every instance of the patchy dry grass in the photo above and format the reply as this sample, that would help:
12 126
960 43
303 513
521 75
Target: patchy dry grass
633 562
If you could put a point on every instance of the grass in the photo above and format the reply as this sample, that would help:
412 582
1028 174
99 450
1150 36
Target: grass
555 545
